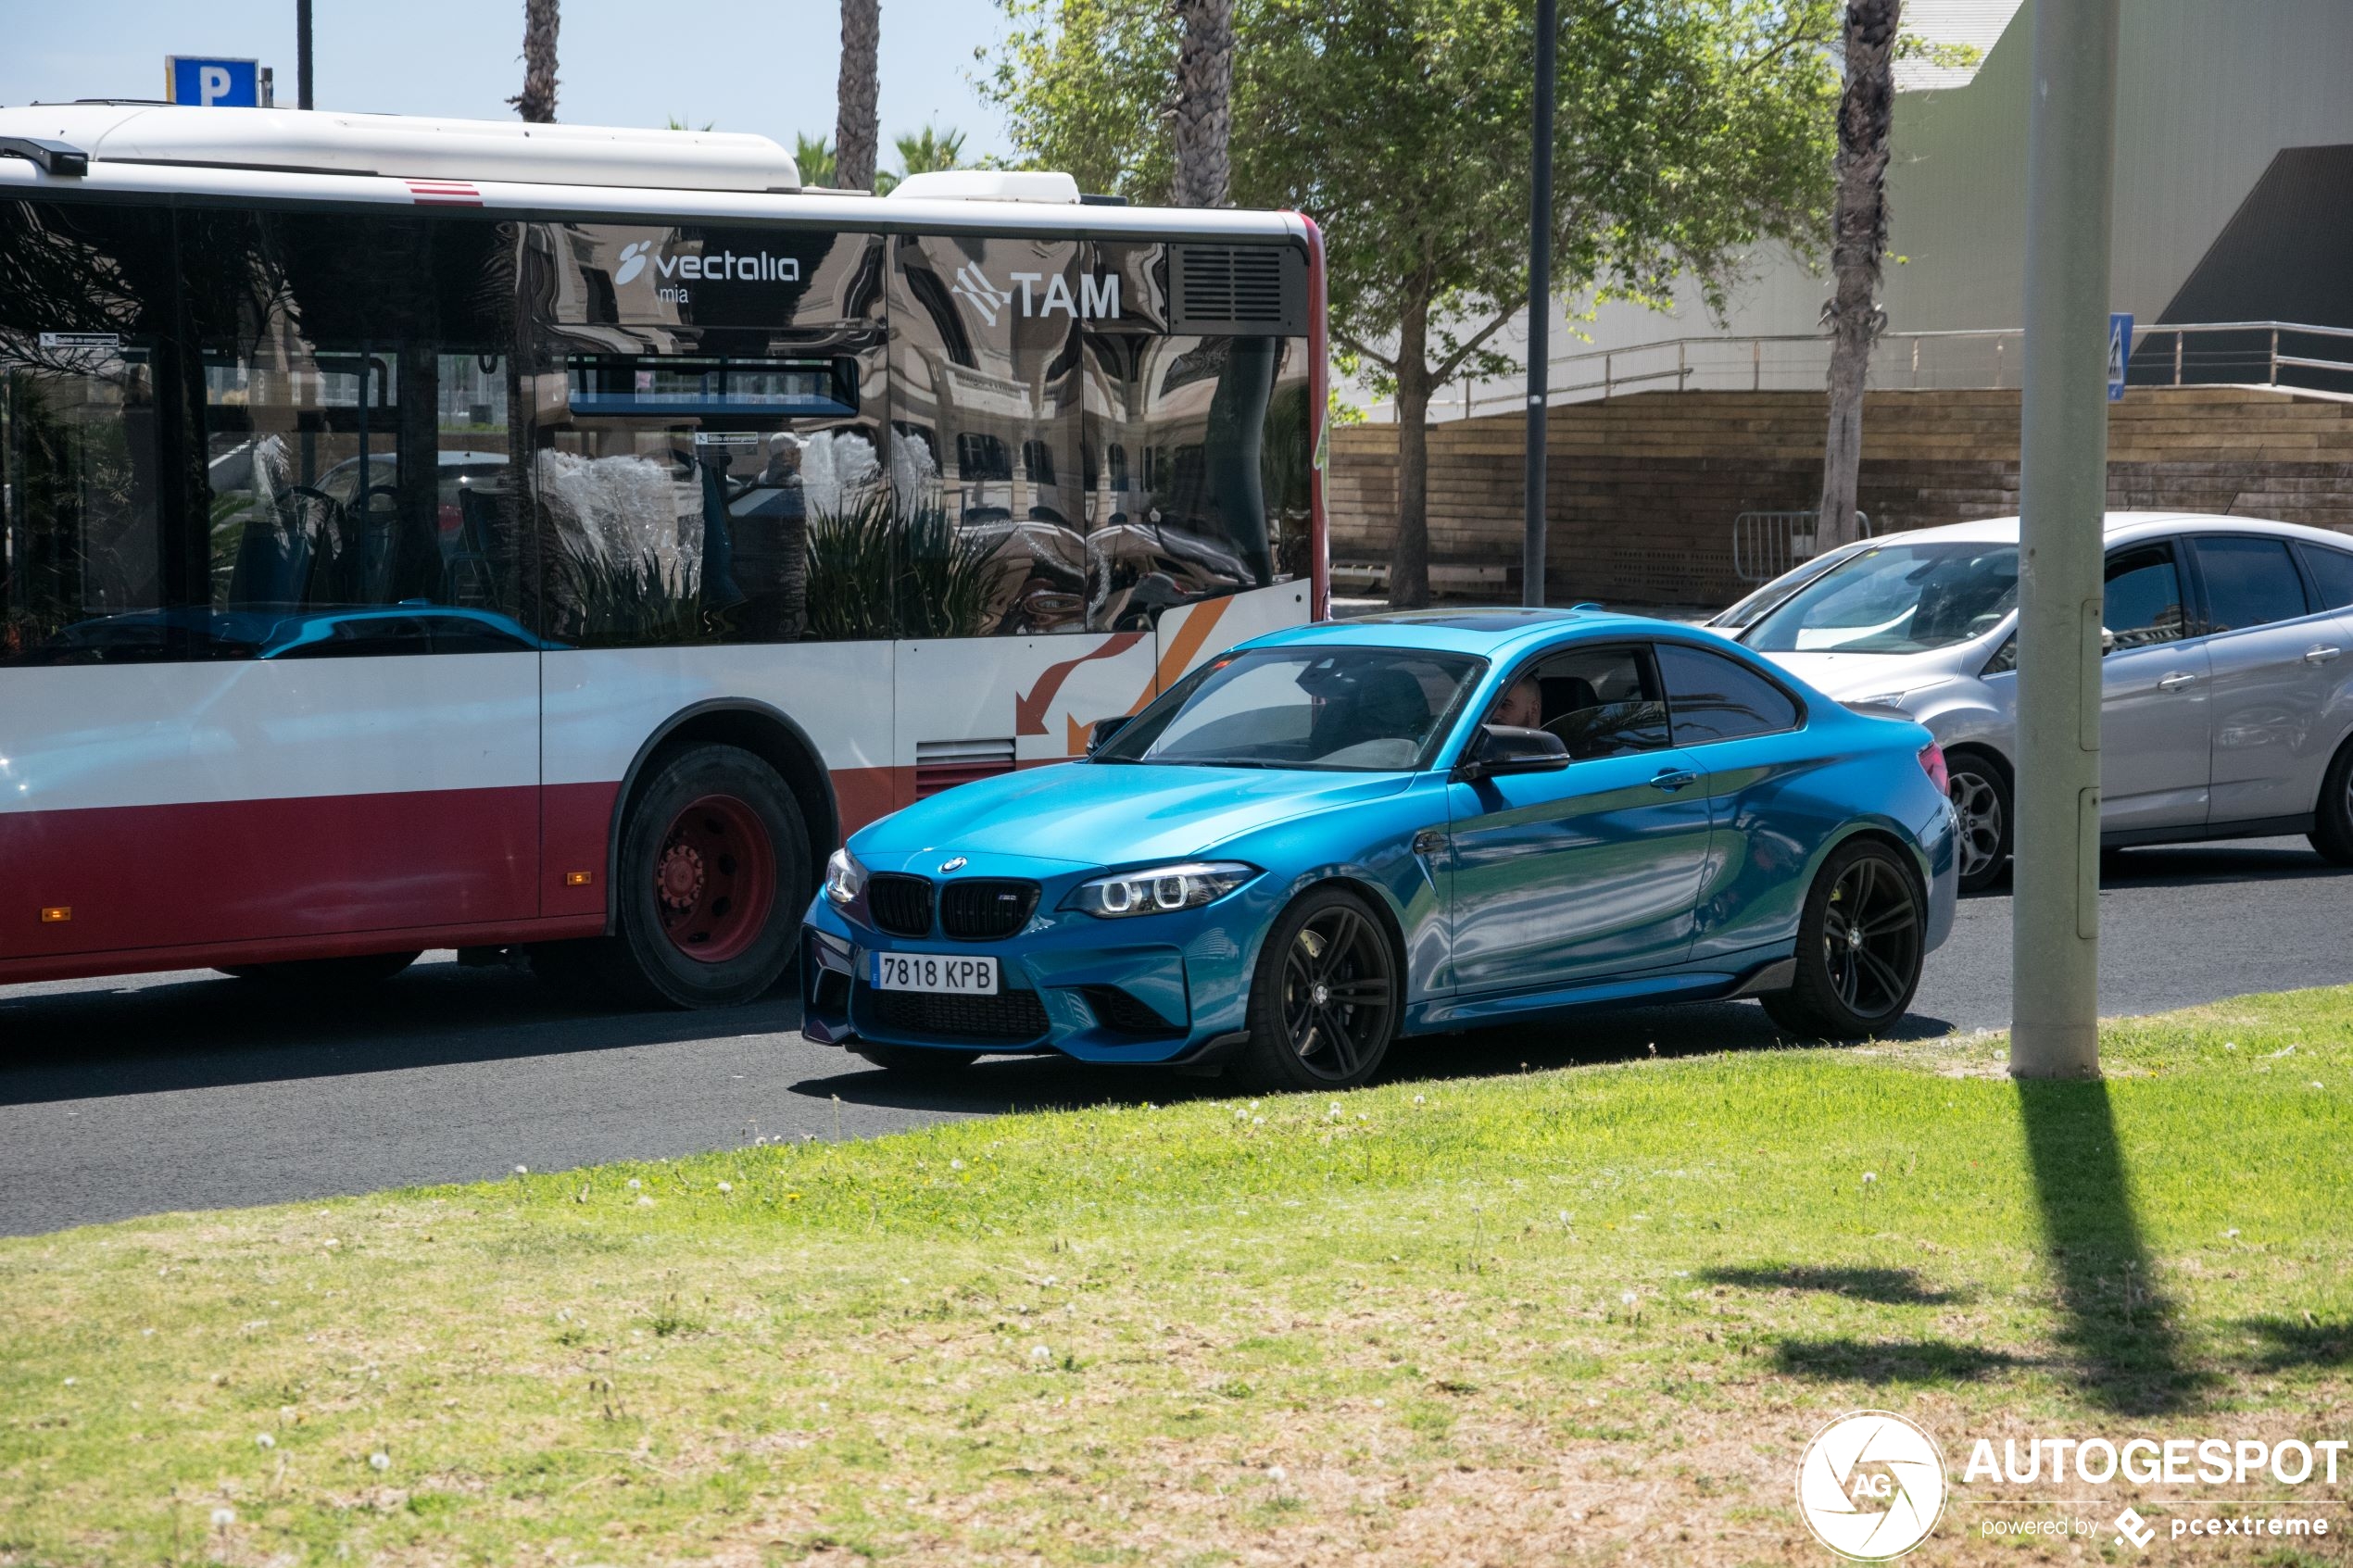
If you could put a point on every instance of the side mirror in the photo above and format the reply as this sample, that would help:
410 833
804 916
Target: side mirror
1102 730
1498 749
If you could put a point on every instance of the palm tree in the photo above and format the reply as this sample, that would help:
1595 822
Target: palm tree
1203 107
536 102
814 155
856 127
1858 238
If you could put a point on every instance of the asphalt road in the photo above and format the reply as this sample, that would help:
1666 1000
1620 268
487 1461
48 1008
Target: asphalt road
120 1098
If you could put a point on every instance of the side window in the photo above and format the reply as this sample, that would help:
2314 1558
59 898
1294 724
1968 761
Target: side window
2141 603
358 425
708 457
2249 582
985 348
1601 701
1712 698
2332 572
84 568
1197 391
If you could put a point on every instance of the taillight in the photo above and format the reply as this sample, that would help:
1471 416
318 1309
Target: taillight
1932 764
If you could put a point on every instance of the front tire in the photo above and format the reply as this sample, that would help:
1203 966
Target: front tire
1859 946
713 876
1980 789
1325 998
2333 814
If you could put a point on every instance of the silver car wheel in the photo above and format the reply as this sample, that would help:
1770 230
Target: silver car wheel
1978 805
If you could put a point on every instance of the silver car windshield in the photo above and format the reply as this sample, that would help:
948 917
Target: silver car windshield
1897 598
1367 709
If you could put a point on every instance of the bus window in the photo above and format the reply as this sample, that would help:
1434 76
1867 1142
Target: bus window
82 563
709 466
984 349
357 417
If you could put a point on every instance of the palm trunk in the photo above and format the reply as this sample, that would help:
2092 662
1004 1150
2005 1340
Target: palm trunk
536 102
857 128
1409 555
1204 119
1866 111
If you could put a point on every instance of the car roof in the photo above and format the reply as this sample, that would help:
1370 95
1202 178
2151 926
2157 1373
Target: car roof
2123 526
1488 631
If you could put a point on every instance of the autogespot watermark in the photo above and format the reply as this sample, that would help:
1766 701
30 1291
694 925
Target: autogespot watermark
1872 1486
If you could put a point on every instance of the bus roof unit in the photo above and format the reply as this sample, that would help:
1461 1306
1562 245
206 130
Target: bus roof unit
320 141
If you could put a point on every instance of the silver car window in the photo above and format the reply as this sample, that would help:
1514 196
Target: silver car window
1906 598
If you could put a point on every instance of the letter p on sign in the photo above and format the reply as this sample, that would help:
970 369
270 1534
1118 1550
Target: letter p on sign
213 84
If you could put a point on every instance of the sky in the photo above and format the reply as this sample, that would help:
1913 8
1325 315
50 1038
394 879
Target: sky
765 65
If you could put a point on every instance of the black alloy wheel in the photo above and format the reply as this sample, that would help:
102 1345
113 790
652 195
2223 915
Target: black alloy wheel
1324 1001
1859 946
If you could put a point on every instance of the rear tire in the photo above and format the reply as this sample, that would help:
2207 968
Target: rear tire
326 975
1325 998
925 1064
713 876
1858 946
2333 814
1982 800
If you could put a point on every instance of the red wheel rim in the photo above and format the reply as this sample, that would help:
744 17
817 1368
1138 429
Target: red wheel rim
714 879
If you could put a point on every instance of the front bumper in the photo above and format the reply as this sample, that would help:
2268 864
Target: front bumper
1157 988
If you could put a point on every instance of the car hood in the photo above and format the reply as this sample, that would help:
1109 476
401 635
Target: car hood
1111 814
1841 676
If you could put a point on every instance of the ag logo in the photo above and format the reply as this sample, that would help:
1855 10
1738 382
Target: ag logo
632 261
1871 1485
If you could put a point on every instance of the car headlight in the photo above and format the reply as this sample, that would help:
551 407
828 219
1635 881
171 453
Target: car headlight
1158 890
845 878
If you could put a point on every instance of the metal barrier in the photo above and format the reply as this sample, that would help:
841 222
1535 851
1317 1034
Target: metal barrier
1765 545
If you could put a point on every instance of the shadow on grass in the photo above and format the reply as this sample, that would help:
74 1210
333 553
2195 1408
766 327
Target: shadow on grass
2287 1346
2118 1324
1889 1287
1891 1361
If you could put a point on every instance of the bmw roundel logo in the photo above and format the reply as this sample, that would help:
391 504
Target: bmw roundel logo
955 864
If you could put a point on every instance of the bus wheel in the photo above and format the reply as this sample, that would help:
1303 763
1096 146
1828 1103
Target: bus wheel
714 874
325 974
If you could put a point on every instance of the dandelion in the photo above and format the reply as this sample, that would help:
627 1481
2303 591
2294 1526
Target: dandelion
1870 1176
2316 1083
331 1241
1039 1355
726 1187
522 1170
71 1381
635 1183
1628 1298
223 1517
1564 1216
1420 1099
2231 1234
2230 1045
379 1461
1241 1114
955 1164
644 1202
1335 1108
1258 1121
1380 1404
1276 1474
1048 1281
266 1441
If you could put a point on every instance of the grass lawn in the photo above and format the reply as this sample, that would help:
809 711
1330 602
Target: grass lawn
1591 1313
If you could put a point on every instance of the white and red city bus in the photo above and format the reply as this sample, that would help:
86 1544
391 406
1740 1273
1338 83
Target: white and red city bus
425 533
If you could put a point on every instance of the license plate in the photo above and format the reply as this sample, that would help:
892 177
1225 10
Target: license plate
961 974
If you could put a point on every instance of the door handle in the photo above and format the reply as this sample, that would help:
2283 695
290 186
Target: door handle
1672 779
2320 655
2175 681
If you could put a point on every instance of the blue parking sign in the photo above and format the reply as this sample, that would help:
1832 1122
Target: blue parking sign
2120 352
243 84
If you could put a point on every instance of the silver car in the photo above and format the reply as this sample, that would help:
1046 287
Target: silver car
2227 694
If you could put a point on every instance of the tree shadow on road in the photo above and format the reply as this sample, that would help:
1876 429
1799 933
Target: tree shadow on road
2116 1324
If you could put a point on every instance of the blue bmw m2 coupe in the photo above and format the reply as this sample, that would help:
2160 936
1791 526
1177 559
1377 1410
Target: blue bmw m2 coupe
1346 833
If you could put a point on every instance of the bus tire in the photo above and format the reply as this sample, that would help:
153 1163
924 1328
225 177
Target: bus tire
326 975
713 876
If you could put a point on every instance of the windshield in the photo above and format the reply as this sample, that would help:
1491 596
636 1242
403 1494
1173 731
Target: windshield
1895 598
1354 709
1779 588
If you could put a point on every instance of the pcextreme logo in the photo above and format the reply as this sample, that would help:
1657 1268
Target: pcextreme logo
1098 298
1871 1485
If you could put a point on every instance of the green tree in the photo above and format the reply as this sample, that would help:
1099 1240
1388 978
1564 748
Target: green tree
1690 131
923 151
